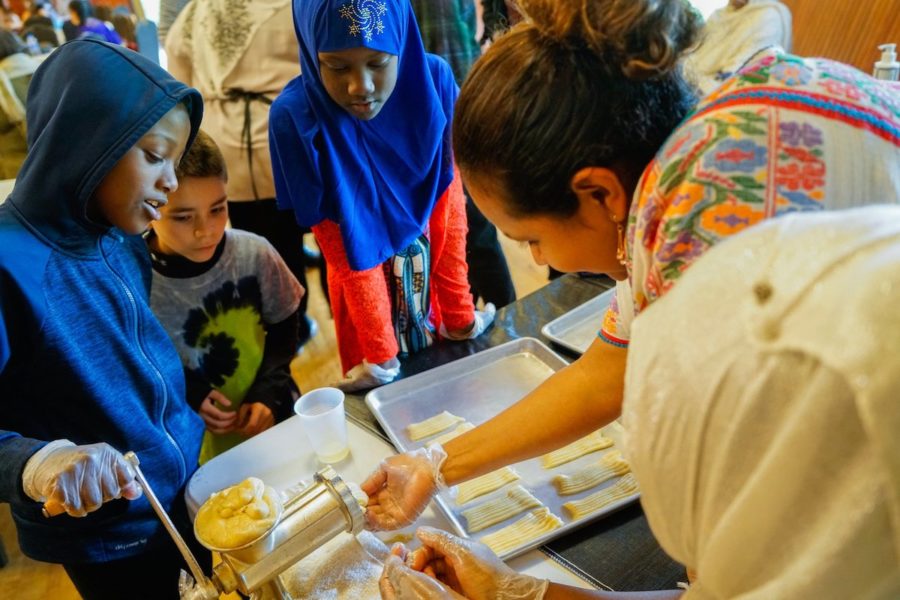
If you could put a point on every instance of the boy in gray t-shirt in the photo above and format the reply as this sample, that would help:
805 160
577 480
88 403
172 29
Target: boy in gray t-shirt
228 302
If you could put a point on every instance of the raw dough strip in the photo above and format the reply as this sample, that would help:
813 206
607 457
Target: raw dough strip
456 432
535 524
611 465
517 499
624 487
485 484
432 425
589 443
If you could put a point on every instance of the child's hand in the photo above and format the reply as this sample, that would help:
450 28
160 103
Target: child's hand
217 421
255 417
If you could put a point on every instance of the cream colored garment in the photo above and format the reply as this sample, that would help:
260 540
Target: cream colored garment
763 411
205 55
732 36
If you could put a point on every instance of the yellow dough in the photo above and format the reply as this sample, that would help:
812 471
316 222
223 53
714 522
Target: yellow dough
516 500
485 484
624 487
432 425
589 443
535 524
455 432
237 515
611 465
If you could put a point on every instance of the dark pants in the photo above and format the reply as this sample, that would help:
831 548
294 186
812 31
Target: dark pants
263 218
488 272
152 575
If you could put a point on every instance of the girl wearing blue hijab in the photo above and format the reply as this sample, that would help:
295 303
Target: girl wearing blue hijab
361 152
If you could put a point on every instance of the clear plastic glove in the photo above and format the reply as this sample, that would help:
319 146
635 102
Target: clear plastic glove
366 375
483 320
399 582
471 568
188 589
80 478
401 487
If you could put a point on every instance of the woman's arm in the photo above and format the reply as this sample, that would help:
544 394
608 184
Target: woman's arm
575 401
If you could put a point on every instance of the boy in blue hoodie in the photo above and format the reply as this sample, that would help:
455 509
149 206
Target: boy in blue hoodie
86 371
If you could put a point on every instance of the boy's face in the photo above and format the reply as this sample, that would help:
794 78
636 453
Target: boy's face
360 80
133 190
193 222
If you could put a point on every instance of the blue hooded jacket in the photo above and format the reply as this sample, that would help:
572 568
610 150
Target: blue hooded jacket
81 355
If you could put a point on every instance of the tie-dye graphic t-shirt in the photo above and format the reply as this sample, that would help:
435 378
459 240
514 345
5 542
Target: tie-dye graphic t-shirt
216 319
785 134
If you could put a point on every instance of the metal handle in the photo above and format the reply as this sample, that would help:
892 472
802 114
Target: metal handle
197 572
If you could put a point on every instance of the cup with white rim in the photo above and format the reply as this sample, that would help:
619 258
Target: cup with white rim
321 413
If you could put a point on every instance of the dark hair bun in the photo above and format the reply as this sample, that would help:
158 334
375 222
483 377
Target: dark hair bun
646 38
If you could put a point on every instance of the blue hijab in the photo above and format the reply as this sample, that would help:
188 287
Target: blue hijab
378 179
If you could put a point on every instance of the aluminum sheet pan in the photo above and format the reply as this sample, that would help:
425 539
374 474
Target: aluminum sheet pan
577 329
478 387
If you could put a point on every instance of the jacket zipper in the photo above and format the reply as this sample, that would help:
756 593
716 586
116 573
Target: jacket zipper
165 394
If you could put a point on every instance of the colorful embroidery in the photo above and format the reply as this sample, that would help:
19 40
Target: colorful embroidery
761 145
365 17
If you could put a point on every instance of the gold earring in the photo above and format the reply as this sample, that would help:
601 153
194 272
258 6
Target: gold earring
620 245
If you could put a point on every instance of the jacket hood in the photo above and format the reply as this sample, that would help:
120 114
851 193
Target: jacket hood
88 104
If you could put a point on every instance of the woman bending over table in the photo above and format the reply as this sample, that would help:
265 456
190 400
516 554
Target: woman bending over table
577 134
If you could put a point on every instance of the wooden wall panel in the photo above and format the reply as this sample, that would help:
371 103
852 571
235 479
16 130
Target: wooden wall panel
845 30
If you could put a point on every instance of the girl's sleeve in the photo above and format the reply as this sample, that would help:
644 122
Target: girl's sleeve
363 295
449 269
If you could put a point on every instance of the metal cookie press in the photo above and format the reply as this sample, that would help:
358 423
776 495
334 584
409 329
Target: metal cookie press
311 517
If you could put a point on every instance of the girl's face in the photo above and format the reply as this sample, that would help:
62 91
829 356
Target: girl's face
359 80
130 195
585 242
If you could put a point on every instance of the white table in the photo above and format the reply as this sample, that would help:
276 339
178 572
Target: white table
281 456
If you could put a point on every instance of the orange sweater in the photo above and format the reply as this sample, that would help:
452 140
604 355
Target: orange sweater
361 302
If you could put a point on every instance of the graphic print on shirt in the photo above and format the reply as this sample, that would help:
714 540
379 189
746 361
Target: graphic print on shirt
226 337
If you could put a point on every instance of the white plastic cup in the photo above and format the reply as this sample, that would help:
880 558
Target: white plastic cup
321 412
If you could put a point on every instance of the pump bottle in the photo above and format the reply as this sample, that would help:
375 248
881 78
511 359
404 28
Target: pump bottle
887 68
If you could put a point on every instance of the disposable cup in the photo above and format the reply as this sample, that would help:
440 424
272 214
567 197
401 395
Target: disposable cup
321 413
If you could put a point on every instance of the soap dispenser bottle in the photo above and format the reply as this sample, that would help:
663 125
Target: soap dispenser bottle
887 68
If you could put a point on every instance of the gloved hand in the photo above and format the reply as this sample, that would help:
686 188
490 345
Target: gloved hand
366 375
81 478
483 320
399 582
401 487
471 568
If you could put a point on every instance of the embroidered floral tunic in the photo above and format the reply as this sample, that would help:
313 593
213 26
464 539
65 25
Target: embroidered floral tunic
785 134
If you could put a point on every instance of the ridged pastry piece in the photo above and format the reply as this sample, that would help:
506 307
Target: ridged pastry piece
455 432
610 465
432 425
516 500
535 524
237 515
589 443
624 487
469 490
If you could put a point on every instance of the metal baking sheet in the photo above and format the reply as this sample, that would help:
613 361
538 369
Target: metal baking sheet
478 387
577 329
